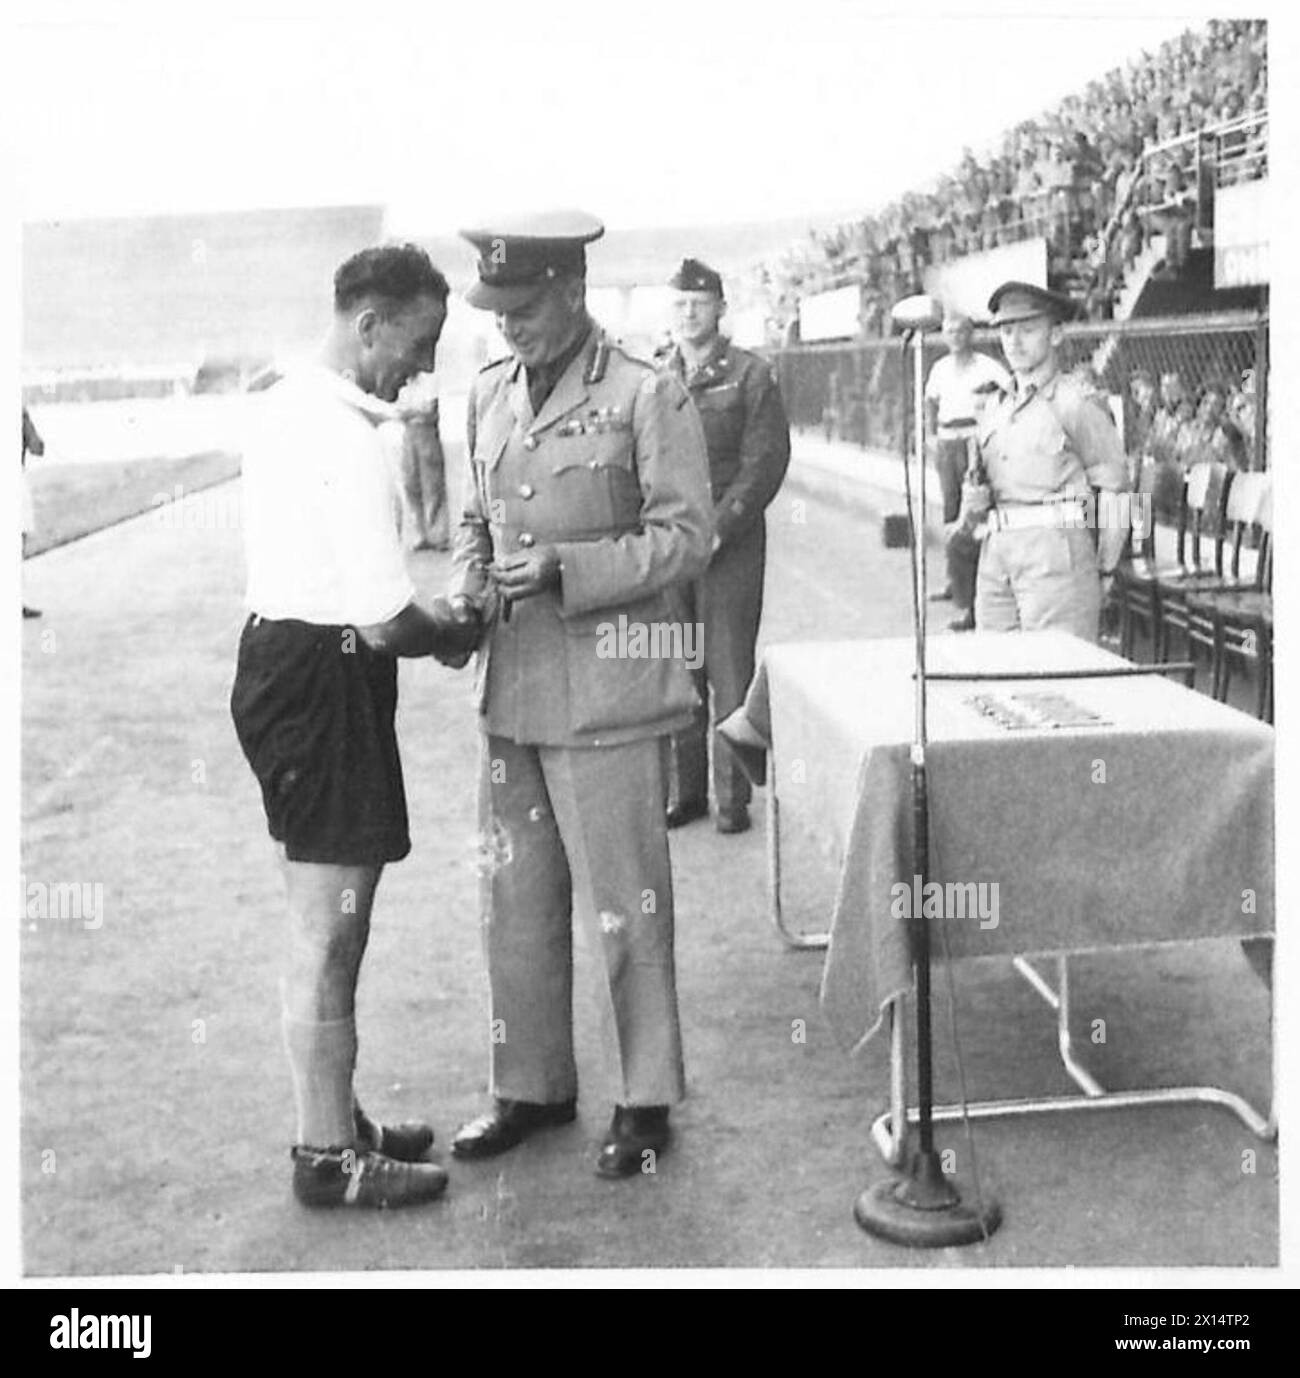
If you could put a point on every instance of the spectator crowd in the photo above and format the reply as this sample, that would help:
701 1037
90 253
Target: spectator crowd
1069 176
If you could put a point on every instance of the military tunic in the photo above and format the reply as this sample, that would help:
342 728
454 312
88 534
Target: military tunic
748 440
612 473
1050 442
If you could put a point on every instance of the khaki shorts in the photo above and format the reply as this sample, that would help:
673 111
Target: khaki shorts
1037 578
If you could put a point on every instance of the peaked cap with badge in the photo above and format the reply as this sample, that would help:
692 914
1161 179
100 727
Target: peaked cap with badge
1022 301
519 255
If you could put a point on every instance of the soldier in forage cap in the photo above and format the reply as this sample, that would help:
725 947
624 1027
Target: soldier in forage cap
1044 448
749 451
587 508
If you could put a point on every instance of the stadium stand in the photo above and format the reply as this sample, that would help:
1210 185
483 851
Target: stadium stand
1130 159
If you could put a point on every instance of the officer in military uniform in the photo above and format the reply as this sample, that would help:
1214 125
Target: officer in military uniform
749 451
587 507
1044 448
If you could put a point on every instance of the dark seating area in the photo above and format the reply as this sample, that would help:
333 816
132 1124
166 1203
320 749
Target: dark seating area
1208 599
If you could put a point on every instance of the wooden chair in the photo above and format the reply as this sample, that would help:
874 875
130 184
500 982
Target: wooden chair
1236 623
1134 590
1208 487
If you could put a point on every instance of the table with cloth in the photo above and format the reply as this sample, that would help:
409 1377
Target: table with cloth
1110 812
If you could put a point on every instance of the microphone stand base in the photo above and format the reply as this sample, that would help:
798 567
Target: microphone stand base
925 1210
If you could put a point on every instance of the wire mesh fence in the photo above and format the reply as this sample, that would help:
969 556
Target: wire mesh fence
1182 387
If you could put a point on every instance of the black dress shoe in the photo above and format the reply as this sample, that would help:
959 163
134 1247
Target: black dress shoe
943 596
634 1131
408 1142
31 612
509 1122
964 623
680 814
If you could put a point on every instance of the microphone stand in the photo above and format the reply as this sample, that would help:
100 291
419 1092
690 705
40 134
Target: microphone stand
923 1209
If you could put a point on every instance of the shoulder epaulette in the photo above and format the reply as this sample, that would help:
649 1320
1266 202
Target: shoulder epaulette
496 363
599 361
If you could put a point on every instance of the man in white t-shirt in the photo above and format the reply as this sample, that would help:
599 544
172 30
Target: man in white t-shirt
331 607
952 397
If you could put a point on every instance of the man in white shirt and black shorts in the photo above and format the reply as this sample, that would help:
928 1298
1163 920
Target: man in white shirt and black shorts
331 608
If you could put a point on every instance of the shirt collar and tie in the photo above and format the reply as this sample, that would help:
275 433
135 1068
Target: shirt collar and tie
543 378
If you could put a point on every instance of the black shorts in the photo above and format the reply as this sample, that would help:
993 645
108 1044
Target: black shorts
314 711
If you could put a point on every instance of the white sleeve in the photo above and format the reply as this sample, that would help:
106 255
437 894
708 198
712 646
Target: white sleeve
358 510
934 382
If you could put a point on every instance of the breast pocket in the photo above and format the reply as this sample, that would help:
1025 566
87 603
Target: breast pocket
596 479
1044 457
722 412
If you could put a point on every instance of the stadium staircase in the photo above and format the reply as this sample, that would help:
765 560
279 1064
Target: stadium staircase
1136 281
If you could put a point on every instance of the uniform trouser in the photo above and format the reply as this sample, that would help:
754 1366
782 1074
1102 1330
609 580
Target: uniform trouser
579 831
963 550
1037 578
424 486
728 603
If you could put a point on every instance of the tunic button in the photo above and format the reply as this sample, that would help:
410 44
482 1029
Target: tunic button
530 442
526 490
526 540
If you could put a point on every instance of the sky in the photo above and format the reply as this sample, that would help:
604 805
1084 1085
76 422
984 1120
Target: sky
670 113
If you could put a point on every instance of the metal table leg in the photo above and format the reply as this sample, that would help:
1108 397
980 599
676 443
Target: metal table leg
788 937
888 1129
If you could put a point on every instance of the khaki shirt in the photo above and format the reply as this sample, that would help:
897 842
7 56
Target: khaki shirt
1052 441
613 473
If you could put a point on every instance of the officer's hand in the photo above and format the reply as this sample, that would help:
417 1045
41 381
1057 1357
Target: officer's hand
527 572
976 500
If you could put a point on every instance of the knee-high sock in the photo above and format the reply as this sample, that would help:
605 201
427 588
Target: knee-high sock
322 1056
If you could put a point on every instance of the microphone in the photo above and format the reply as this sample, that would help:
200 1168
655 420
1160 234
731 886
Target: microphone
918 313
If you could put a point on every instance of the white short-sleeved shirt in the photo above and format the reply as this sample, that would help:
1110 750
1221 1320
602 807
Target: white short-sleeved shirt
321 510
953 388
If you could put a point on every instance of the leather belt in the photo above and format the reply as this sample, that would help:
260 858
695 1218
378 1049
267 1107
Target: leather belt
1020 517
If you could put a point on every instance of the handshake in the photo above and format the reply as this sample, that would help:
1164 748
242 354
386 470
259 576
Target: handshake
460 624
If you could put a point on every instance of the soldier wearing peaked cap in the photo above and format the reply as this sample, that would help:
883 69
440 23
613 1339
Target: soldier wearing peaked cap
749 451
1043 448
587 507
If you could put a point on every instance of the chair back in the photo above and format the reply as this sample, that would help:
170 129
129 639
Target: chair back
1264 521
1249 497
1149 479
1202 515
